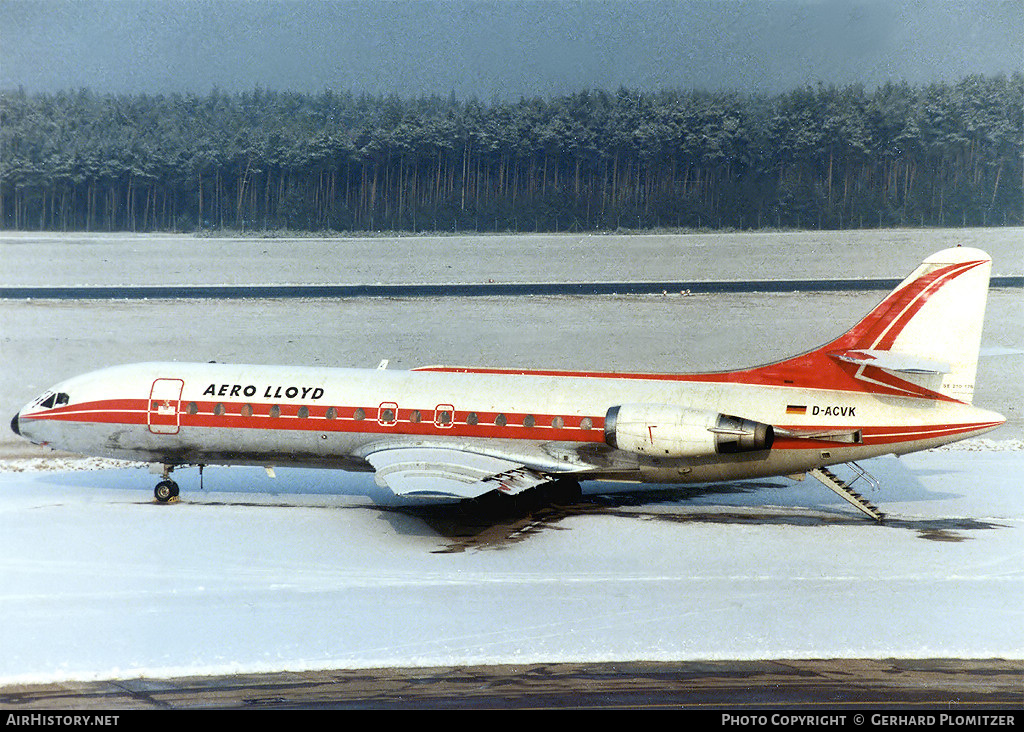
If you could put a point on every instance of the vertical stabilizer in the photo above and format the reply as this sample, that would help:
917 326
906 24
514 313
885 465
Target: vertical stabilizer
948 326
922 340
928 330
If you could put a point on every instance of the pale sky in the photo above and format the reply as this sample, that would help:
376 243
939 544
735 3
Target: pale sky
499 48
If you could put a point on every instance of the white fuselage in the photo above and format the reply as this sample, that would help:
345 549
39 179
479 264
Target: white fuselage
900 380
181 413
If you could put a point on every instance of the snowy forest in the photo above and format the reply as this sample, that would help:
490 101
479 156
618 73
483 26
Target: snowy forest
943 154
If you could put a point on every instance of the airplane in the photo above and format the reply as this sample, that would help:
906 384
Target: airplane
899 381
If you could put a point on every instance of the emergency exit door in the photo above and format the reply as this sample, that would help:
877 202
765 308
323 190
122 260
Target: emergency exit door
164 403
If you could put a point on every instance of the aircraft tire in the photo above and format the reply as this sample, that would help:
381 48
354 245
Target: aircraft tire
165 490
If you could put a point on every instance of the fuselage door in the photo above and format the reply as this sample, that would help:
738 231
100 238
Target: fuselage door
164 401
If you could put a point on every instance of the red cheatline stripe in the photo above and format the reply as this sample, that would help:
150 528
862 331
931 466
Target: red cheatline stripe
134 412
574 428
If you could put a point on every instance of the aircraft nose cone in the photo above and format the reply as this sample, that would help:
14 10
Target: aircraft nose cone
14 424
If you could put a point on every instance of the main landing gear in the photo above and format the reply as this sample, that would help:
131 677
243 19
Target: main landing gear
166 490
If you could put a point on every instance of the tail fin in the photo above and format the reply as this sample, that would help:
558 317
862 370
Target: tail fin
922 340
928 330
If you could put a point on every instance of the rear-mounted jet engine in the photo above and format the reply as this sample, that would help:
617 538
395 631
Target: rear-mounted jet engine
665 430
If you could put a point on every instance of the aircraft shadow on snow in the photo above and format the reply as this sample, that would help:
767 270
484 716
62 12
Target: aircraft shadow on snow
464 529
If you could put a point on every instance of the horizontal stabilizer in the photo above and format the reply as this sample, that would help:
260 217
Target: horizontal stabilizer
892 361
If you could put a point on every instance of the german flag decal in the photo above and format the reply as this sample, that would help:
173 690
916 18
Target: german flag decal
796 409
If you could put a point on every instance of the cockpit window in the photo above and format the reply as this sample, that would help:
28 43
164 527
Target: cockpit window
51 400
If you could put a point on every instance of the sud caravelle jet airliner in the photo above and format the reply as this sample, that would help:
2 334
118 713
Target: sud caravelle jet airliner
900 380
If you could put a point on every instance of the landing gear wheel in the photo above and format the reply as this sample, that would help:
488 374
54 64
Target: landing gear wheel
165 490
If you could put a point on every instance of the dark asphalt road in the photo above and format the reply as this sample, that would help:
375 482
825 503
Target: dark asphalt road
491 289
843 684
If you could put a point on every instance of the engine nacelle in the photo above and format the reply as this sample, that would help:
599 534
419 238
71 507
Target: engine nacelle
663 430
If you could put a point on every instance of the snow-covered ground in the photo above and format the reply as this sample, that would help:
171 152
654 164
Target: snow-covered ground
312 569
66 259
316 569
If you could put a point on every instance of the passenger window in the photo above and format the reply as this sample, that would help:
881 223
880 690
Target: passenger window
558 423
500 420
246 410
332 413
275 411
530 421
360 414
416 416
586 423
472 418
303 412
443 415
387 414
193 408
219 410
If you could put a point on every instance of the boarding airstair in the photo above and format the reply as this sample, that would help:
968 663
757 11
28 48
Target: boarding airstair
843 488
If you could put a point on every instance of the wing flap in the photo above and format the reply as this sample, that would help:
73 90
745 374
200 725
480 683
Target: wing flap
437 472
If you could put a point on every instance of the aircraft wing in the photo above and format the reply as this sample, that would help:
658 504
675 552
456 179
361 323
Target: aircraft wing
440 472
